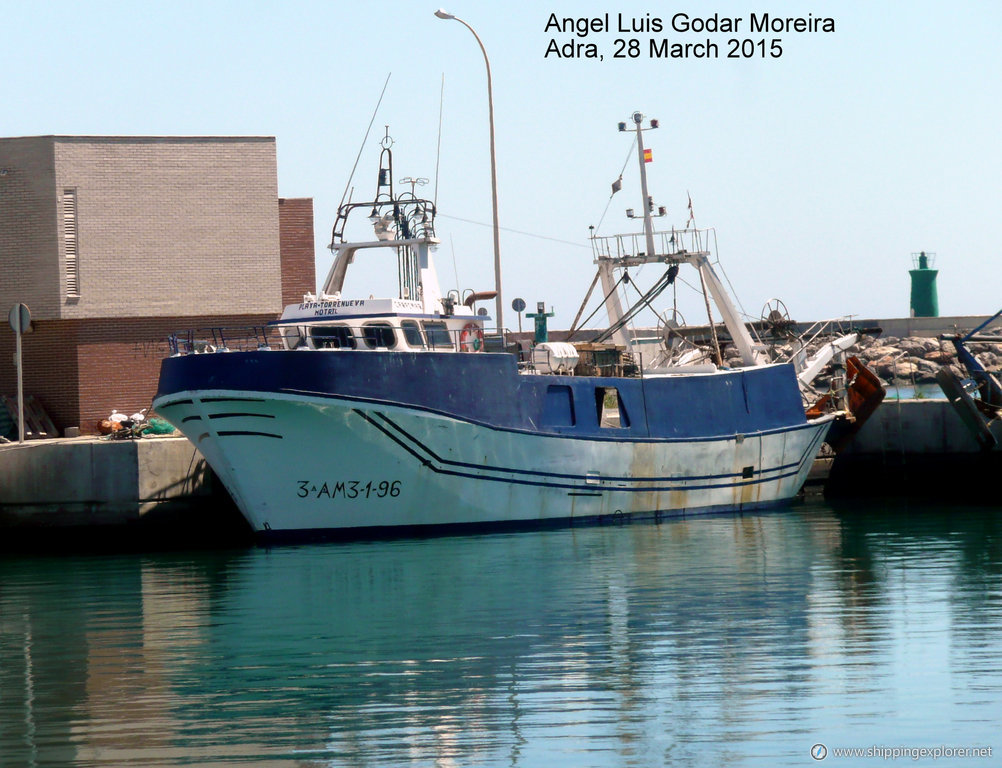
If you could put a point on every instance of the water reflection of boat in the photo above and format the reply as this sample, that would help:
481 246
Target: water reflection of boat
407 413
406 650
621 642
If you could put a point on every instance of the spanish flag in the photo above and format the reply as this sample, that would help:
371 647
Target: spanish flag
648 155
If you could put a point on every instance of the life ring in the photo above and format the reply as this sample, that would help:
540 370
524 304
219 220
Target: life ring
472 338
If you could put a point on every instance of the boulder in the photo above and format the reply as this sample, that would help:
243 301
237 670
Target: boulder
883 350
912 346
904 369
988 359
939 356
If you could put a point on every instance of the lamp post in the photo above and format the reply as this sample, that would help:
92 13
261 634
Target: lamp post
494 170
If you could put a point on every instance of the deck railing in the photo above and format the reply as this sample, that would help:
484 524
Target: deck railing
220 339
347 337
673 243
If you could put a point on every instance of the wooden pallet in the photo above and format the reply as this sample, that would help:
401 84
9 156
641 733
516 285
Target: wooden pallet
37 424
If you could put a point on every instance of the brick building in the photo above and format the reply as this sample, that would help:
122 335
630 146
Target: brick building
115 242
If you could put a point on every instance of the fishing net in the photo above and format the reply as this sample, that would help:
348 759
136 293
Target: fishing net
158 426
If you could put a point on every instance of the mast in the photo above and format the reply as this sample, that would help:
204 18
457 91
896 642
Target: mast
401 221
646 203
623 251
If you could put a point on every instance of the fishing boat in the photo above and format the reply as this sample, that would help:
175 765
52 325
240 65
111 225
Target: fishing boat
980 415
353 416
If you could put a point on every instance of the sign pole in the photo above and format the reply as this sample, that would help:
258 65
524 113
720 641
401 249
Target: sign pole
20 385
20 322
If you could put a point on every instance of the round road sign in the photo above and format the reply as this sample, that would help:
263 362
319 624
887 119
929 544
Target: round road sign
19 318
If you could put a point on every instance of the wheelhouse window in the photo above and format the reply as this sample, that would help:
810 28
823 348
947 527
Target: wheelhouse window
293 337
438 335
412 333
332 337
379 335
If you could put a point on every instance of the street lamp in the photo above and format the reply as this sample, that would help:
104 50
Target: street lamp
494 169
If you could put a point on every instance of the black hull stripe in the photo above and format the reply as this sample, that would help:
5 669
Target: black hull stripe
395 439
247 433
241 415
573 487
605 478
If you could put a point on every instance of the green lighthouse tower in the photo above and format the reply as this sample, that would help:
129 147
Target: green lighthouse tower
924 301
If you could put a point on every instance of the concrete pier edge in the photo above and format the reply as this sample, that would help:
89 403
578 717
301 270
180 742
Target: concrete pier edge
91 491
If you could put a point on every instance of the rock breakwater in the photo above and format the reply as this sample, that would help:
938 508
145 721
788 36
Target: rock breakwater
916 359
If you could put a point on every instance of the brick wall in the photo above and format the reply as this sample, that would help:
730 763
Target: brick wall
50 368
168 223
29 265
168 227
295 226
79 370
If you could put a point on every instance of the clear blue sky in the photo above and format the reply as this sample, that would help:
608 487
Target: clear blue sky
822 170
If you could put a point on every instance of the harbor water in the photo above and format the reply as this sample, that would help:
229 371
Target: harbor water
744 640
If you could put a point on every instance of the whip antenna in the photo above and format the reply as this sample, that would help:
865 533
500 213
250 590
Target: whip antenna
366 138
438 149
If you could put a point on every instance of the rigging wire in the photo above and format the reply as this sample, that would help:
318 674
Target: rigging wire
515 231
601 304
365 139
720 265
646 298
438 148
574 324
614 191
656 290
678 279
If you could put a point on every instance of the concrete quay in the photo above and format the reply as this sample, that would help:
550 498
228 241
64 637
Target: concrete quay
917 448
89 491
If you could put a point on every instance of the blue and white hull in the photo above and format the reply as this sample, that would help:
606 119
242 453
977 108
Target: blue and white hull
363 444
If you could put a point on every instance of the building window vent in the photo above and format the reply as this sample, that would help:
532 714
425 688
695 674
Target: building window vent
71 242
